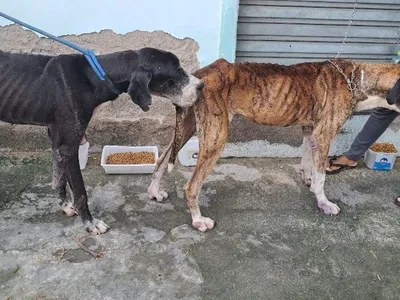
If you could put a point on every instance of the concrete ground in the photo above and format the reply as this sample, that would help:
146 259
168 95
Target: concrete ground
270 241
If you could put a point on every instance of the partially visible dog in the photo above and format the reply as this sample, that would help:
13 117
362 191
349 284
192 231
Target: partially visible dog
61 92
318 96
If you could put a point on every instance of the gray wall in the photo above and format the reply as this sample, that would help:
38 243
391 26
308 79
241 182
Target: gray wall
288 32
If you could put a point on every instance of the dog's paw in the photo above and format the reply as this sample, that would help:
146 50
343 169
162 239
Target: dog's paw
96 227
329 208
69 209
202 223
158 195
306 177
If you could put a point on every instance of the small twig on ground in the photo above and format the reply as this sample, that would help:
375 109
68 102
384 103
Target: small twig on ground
46 242
87 250
373 254
63 251
19 192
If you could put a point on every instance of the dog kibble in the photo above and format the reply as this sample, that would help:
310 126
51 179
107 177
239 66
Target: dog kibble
384 148
131 158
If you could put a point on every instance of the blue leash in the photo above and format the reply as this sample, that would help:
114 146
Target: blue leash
89 54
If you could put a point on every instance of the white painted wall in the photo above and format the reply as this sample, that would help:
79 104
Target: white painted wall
196 19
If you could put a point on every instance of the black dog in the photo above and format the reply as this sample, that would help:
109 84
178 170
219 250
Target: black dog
61 92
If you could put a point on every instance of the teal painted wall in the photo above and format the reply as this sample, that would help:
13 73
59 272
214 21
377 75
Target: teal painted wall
196 19
227 40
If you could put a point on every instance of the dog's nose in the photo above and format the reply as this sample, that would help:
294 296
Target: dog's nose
200 86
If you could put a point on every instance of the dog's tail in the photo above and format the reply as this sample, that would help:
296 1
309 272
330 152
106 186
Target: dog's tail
185 128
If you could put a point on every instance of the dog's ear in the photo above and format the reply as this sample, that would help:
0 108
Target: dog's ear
138 88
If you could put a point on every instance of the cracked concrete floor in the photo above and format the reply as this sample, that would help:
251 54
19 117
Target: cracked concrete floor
270 241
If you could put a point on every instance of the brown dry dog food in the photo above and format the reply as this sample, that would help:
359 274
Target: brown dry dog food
384 147
131 158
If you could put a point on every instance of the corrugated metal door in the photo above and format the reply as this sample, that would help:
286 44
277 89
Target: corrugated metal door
288 32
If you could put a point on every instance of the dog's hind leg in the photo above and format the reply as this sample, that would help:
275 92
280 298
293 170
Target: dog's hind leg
68 152
184 130
306 164
321 139
213 133
154 191
59 183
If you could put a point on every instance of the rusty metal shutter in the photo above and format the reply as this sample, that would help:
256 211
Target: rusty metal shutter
288 32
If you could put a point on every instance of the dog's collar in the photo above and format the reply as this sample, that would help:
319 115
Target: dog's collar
351 85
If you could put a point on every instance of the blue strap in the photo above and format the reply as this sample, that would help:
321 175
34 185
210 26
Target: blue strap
89 54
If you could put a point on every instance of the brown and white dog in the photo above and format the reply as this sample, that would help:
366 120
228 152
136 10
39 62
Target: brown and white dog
318 96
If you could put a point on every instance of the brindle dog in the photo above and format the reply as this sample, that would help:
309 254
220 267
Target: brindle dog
316 96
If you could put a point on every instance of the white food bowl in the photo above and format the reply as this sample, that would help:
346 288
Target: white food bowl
131 168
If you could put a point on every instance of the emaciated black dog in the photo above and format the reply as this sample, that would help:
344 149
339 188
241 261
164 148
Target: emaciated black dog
61 92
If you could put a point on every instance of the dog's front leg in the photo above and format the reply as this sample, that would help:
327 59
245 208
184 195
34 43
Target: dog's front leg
69 157
213 133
